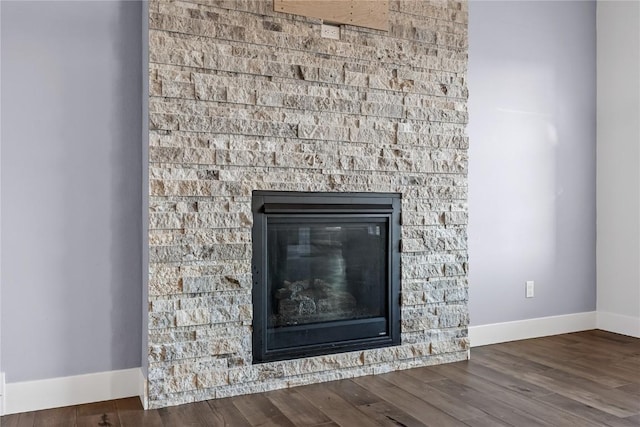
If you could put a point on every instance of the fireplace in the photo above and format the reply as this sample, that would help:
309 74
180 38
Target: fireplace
244 98
326 274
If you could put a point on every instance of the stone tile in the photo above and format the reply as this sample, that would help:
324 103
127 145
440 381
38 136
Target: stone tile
243 98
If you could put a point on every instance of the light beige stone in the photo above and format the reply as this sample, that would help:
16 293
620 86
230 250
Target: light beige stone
192 317
243 98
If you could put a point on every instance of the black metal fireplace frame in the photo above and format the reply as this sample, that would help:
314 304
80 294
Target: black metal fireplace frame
310 207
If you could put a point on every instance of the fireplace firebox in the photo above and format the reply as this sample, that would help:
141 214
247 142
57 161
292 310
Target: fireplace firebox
326 275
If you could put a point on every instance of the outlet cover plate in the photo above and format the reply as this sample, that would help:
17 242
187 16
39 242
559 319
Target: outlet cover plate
329 31
530 290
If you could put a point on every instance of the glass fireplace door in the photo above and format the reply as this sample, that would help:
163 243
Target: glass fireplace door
321 271
326 273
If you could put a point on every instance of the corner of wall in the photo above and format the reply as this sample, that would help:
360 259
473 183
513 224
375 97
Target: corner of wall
145 193
2 373
619 324
143 389
618 166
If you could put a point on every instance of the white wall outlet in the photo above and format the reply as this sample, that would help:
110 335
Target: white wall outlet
530 289
329 31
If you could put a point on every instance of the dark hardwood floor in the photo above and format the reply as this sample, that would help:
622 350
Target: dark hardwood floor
582 379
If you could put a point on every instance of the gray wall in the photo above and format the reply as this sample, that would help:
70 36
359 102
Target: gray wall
532 159
71 191
71 188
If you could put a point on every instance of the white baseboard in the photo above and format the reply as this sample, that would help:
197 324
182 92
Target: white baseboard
76 390
619 324
143 389
1 393
531 328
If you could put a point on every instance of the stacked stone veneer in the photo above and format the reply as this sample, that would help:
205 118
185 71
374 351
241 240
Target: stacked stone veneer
243 98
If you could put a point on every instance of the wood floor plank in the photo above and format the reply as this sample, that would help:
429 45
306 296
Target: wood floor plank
635 420
491 405
296 408
608 337
102 420
599 371
605 344
504 380
554 350
425 375
585 411
12 420
580 366
486 421
55 417
128 404
606 370
97 408
102 414
492 356
335 407
412 405
131 414
588 369
527 350
632 362
614 395
631 389
612 401
456 408
372 405
519 400
388 415
353 393
26 419
588 350
225 414
259 411
191 414
564 339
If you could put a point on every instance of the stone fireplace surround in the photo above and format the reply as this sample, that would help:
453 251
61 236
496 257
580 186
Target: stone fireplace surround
243 98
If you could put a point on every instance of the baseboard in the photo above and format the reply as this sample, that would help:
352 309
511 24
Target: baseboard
76 390
143 390
2 393
66 391
619 324
531 328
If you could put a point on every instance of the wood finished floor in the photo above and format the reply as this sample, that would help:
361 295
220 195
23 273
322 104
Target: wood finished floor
582 379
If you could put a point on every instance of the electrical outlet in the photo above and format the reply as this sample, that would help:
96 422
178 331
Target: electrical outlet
530 289
329 31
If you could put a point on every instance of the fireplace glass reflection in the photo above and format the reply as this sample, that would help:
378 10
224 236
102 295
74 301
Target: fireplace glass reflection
319 272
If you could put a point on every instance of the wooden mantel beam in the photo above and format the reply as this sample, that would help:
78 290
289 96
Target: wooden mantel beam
361 13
